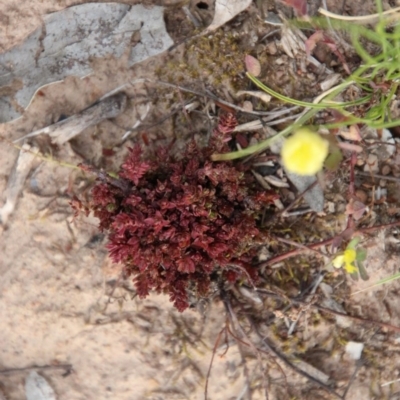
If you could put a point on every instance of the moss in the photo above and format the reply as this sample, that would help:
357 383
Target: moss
217 59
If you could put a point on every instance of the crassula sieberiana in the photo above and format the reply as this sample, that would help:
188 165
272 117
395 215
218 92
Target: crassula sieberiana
177 224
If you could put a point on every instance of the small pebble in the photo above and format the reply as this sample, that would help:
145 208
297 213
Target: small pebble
386 170
380 192
247 105
371 164
39 238
271 48
287 194
360 162
263 254
58 257
361 195
311 76
354 350
326 289
280 61
393 211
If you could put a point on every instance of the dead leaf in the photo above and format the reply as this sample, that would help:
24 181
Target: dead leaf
225 10
350 147
356 209
352 134
299 6
253 66
292 40
312 41
320 36
16 181
247 106
74 37
330 81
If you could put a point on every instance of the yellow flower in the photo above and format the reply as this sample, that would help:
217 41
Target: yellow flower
346 260
304 152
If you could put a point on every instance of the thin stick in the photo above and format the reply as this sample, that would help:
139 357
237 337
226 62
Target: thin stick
329 311
352 378
384 177
66 367
197 93
298 245
63 131
351 221
293 253
325 242
297 198
262 351
359 319
212 360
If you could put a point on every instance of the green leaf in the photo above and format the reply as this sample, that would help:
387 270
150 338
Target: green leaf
374 112
362 270
353 243
328 103
334 159
389 279
361 255
381 282
354 276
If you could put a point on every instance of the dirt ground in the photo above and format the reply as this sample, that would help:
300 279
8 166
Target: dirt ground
64 310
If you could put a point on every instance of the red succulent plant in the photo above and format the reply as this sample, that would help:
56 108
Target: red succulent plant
176 225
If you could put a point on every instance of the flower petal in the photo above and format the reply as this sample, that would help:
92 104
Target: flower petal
338 261
350 256
304 152
350 268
